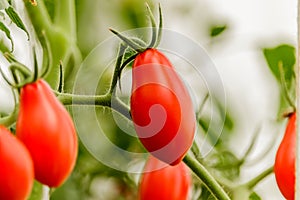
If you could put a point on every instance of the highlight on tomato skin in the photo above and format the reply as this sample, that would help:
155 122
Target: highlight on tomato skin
164 182
284 167
47 130
161 107
16 168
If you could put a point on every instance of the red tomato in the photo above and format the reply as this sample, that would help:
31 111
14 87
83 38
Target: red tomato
169 182
284 167
47 130
16 168
161 107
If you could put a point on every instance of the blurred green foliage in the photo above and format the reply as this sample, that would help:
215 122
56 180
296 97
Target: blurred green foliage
217 30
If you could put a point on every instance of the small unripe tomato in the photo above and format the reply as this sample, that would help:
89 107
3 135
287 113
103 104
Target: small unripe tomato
16 168
47 130
284 167
164 182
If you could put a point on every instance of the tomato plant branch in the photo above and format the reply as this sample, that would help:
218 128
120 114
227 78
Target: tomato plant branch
252 183
60 41
98 100
39 16
212 185
118 70
64 17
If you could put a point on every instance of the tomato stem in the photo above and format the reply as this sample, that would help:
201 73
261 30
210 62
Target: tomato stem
62 37
252 183
208 180
46 56
118 69
196 151
36 68
127 61
99 100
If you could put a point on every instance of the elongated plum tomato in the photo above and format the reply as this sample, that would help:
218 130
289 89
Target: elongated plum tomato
47 130
161 107
284 167
164 183
16 168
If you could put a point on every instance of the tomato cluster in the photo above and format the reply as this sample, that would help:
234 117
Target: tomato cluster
45 146
284 167
161 107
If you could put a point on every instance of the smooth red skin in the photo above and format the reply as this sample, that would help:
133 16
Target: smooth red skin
16 168
155 82
170 182
47 130
284 167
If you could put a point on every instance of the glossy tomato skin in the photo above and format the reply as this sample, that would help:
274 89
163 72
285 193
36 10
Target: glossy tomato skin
284 167
164 182
47 130
16 168
161 107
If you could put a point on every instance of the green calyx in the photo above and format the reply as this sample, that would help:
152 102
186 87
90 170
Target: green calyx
21 75
136 44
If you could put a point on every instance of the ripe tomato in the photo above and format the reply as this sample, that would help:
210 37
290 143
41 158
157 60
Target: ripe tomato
170 182
47 130
161 107
284 167
16 168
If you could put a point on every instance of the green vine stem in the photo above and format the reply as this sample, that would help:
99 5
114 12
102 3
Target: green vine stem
65 18
98 100
62 45
252 183
208 180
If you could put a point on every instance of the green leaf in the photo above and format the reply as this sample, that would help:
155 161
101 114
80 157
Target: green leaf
10 11
284 56
217 30
37 191
254 196
7 33
283 53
